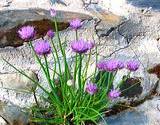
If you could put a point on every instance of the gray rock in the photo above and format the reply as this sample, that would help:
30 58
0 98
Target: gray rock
147 113
12 20
155 4
135 38
13 115
17 81
2 121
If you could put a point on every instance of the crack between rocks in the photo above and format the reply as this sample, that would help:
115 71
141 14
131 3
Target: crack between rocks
115 110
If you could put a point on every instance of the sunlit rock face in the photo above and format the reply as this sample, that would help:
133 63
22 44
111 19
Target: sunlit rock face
117 7
155 4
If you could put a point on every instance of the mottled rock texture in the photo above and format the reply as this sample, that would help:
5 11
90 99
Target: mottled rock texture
134 34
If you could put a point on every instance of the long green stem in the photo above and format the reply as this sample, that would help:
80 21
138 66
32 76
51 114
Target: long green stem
56 52
67 72
76 61
87 64
48 74
55 62
79 74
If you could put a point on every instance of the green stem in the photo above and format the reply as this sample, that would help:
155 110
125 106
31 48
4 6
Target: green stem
56 52
79 74
96 63
55 62
48 74
87 64
76 61
76 35
67 72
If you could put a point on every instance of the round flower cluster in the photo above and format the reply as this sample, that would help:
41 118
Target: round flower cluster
75 24
53 12
114 94
42 47
114 65
50 33
26 33
91 88
81 46
133 65
110 65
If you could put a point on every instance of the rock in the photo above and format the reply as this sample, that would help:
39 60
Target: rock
17 81
147 113
155 4
125 42
2 121
13 115
12 20
156 70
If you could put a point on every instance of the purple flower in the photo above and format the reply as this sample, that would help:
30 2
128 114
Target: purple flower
26 33
42 47
52 12
50 33
120 65
110 65
91 88
133 65
79 46
114 94
75 23
101 65
91 44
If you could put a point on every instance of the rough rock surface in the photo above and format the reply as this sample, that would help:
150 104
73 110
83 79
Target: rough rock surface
145 114
17 81
13 115
134 34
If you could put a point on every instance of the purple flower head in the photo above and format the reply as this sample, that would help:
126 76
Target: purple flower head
26 33
75 23
91 44
53 12
50 33
91 88
79 46
114 94
112 65
101 65
120 65
42 47
133 65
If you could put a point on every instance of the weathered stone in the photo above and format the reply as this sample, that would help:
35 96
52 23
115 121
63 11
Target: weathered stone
13 115
2 121
155 4
18 81
12 20
147 113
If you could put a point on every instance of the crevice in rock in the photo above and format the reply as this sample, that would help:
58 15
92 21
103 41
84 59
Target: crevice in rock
41 26
122 106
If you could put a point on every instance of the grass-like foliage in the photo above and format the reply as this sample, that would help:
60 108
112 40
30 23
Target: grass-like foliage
73 97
